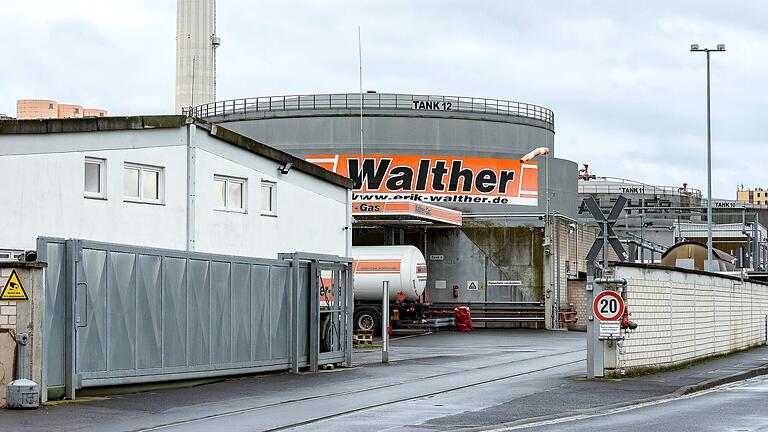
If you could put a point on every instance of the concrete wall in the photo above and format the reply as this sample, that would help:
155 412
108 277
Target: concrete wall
22 317
482 253
43 195
686 315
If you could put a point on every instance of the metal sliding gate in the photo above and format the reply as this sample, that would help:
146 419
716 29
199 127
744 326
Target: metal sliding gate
118 314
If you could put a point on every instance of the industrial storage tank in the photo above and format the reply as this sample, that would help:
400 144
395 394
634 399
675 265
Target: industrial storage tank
463 155
70 111
403 266
36 109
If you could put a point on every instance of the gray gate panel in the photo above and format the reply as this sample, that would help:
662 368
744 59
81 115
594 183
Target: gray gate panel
221 312
149 307
241 313
121 311
174 303
278 312
54 253
91 311
137 314
199 313
263 304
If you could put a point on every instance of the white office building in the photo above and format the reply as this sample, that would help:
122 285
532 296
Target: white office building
168 182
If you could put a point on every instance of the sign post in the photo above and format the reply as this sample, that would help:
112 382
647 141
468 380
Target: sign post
385 323
595 348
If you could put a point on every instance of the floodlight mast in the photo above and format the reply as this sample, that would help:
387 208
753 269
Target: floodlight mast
720 48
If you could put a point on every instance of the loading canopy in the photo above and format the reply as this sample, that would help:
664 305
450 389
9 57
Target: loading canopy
404 212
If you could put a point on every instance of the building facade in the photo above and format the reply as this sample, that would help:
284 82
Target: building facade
161 181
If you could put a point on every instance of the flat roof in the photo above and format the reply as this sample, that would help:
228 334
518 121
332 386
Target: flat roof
104 124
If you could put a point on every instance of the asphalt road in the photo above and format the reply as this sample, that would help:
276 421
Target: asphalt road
736 407
433 376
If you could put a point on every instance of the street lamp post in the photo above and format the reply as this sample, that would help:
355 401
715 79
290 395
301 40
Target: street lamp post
708 265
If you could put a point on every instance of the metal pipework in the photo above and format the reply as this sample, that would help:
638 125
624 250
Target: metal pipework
610 280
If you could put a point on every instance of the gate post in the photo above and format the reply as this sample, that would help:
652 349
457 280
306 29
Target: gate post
293 315
314 315
70 337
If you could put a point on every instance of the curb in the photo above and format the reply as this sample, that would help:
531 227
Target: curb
682 391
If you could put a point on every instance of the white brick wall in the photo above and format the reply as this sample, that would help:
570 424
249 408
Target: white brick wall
684 316
7 313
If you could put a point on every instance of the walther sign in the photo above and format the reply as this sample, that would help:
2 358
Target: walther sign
436 179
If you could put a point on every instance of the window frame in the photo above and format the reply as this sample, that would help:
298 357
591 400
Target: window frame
243 193
160 200
272 185
102 163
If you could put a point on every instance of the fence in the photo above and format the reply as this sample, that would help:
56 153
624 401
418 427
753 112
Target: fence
684 315
118 314
373 101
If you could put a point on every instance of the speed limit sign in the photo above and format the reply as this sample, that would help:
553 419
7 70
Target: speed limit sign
608 306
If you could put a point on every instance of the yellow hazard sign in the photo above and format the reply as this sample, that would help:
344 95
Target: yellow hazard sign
14 290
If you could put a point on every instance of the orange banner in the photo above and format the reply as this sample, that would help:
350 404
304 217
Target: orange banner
436 179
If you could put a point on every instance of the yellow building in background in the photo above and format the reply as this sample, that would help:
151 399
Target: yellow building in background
758 196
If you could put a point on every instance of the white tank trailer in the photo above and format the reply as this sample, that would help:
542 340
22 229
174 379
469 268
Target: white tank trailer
406 270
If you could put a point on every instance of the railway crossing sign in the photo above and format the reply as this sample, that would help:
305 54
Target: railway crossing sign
606 228
608 306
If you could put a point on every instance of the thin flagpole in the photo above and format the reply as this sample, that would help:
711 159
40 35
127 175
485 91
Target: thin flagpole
360 60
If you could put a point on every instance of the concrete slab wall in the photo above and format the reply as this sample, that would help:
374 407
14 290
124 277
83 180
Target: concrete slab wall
685 315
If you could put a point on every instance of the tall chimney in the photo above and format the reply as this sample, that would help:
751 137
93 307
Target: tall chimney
196 44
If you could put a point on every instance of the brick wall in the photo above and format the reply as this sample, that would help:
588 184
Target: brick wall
577 297
7 313
683 316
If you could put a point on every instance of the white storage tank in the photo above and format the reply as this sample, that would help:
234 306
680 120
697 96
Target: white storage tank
403 266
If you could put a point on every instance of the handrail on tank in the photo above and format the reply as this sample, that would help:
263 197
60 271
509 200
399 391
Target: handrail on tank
372 101
600 185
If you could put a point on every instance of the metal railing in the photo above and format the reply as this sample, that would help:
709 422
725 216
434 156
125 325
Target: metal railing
374 101
612 185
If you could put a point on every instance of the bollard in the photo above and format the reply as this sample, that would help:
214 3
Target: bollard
385 323
22 393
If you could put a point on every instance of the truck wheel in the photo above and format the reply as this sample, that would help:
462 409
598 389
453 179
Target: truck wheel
367 319
326 334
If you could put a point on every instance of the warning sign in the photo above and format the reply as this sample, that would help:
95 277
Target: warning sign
471 285
14 290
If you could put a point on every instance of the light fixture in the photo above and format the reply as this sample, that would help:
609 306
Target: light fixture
285 168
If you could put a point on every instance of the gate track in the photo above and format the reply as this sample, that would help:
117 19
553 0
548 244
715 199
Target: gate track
376 405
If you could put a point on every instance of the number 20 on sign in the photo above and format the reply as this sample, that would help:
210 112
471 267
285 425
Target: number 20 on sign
608 306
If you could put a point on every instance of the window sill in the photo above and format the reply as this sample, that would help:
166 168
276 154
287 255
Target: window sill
274 215
226 210
95 197
138 201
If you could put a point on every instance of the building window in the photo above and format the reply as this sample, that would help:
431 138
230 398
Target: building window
95 178
229 193
76 110
143 183
268 198
50 106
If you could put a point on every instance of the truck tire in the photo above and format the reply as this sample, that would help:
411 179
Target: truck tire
367 319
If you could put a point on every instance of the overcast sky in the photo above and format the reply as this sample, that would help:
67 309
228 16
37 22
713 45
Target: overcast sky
629 98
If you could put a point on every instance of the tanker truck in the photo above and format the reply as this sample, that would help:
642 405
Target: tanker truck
406 270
